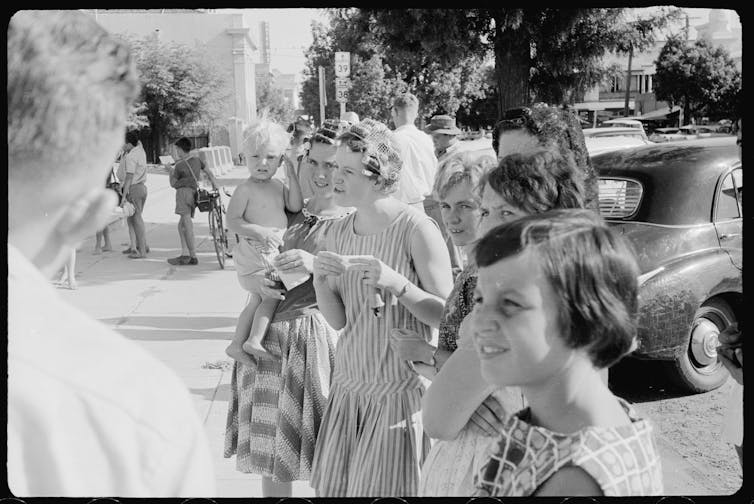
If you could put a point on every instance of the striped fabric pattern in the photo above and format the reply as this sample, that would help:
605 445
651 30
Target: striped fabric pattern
371 442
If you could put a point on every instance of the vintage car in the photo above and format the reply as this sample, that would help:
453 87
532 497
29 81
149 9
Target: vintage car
680 204
599 140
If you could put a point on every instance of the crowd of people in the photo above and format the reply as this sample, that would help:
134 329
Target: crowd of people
422 320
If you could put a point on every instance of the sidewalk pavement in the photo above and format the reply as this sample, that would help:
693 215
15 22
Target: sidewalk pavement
185 316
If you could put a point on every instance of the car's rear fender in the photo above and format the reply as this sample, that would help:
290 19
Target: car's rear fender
676 280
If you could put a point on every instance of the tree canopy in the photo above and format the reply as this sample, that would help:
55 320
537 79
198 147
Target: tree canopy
700 77
271 102
178 87
550 55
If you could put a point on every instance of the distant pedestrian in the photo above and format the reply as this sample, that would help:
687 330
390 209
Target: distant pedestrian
68 271
133 168
256 212
185 175
90 413
111 182
417 154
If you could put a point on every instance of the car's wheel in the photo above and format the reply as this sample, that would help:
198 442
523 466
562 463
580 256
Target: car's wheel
697 369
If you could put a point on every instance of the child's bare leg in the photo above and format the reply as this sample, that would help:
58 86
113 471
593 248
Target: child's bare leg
97 246
235 349
262 318
70 268
106 234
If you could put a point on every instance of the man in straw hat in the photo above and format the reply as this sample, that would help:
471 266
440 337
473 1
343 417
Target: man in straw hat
444 135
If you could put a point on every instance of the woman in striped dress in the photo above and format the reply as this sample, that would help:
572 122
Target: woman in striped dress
371 442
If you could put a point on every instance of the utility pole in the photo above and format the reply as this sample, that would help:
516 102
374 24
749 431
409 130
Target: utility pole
322 96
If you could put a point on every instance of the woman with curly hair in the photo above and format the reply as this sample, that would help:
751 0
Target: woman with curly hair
523 129
371 442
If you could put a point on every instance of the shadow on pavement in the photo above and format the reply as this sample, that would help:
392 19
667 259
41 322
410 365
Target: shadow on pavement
219 393
639 381
187 323
172 334
163 243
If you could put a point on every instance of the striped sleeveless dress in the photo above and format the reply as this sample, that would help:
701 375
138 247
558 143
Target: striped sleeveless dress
371 441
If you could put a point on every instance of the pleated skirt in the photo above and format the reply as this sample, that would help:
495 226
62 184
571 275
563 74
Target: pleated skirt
371 444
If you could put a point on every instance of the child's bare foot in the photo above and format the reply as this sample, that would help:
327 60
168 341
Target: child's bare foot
72 284
256 349
107 248
235 352
97 251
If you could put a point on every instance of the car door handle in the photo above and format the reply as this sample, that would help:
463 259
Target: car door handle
729 236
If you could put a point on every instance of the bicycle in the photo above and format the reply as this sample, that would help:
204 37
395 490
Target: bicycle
217 228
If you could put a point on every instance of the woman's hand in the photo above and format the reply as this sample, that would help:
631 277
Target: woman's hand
408 345
730 352
294 261
328 264
263 286
487 420
271 236
377 274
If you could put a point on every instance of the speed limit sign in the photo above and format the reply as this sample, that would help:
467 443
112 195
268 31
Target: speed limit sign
342 64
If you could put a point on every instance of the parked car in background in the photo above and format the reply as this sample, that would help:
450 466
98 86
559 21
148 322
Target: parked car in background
680 204
623 123
666 135
599 140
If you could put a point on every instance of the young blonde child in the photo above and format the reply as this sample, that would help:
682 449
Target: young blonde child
256 212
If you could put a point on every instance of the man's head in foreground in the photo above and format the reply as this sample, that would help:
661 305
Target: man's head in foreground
70 86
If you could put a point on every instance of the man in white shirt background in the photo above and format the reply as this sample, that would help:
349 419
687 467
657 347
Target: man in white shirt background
417 152
90 413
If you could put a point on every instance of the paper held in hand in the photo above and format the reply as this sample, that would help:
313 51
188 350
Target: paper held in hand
166 160
292 280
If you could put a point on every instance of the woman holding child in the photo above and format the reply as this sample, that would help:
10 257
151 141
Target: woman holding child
278 400
371 442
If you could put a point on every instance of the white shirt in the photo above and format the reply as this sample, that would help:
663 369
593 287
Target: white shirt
91 413
134 161
419 164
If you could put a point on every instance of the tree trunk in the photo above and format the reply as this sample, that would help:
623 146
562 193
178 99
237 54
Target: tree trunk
512 66
156 135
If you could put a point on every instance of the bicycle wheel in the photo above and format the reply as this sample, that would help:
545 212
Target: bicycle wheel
216 231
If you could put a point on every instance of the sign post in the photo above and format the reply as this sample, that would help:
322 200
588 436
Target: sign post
342 82
322 95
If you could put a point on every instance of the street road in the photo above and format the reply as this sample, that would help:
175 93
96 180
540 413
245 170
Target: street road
185 315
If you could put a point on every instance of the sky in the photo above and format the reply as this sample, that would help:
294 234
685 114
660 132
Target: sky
290 34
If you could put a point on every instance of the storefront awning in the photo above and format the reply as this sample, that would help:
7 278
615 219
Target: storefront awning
603 105
659 113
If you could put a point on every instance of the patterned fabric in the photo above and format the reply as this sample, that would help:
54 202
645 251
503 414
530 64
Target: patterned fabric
622 460
372 442
451 465
275 410
459 304
255 257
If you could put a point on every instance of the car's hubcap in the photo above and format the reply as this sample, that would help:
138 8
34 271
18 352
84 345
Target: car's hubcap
704 342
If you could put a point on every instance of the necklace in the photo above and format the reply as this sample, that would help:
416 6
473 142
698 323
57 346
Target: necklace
312 218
